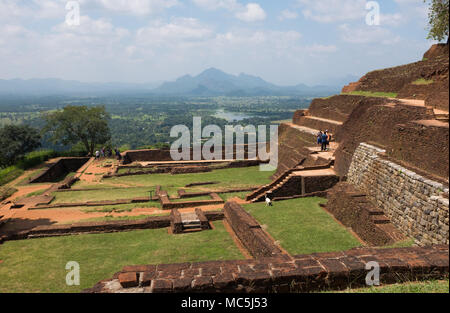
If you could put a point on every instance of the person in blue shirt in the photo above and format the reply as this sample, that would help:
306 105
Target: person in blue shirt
324 141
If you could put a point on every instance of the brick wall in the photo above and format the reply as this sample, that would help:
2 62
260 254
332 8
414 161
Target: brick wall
249 232
60 168
299 273
414 204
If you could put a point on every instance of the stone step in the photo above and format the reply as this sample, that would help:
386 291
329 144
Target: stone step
192 230
380 219
393 232
192 226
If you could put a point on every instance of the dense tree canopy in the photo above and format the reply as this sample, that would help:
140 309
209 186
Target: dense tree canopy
74 124
438 19
16 141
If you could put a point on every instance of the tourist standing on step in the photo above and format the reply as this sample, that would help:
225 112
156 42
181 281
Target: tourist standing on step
329 138
319 138
324 141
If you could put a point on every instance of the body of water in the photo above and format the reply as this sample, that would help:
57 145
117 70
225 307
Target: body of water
232 116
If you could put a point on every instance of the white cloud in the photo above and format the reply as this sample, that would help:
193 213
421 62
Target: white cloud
179 29
137 7
230 5
367 34
287 15
394 19
252 13
328 11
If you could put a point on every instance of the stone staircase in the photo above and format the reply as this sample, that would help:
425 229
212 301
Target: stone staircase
190 222
440 115
292 182
377 216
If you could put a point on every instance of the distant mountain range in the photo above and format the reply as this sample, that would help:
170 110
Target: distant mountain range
211 82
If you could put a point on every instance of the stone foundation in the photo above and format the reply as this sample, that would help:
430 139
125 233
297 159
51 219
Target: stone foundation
415 205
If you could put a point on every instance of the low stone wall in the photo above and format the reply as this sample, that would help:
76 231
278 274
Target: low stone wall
104 227
282 274
164 155
190 170
167 204
414 204
249 232
93 203
90 228
59 168
176 224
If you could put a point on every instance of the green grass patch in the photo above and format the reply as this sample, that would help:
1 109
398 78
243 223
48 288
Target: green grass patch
36 193
423 81
6 192
100 195
301 226
434 286
400 244
9 174
123 207
228 178
378 94
198 198
227 196
38 265
113 218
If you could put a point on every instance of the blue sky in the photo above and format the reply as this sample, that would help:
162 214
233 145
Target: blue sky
285 42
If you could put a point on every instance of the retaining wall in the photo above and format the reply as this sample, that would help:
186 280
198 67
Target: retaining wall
59 168
249 232
415 205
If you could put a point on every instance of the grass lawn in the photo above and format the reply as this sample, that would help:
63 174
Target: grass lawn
38 265
228 178
113 218
372 94
434 286
302 226
227 196
123 207
99 195
198 198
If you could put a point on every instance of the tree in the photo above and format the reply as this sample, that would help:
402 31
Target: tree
16 141
438 19
74 124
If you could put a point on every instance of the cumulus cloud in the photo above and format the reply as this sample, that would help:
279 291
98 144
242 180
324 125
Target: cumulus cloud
252 12
137 7
328 11
179 29
230 5
367 34
287 15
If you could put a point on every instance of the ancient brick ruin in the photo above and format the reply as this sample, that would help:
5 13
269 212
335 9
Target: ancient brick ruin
385 177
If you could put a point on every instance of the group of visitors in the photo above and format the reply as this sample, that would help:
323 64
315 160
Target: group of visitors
107 152
323 140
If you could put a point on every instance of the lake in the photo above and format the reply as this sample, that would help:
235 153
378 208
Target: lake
232 116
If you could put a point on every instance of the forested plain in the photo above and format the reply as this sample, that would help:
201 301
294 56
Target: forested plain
145 121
